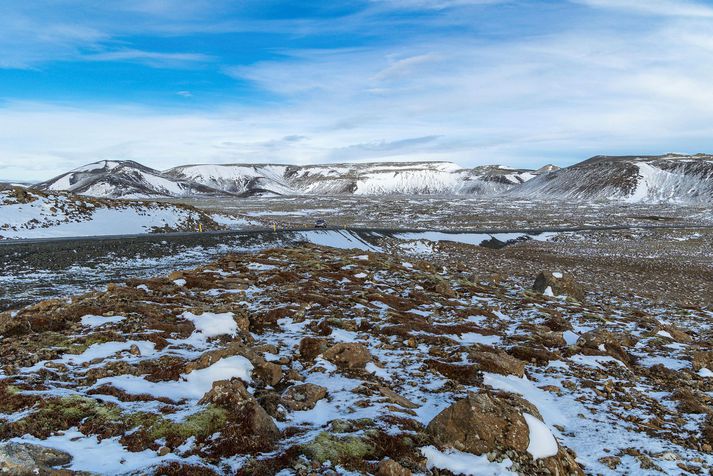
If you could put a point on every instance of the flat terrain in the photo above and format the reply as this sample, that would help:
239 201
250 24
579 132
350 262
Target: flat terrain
442 212
668 264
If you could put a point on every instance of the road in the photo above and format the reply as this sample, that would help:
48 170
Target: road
286 231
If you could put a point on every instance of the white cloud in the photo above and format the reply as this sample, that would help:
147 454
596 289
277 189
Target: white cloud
151 58
674 8
601 86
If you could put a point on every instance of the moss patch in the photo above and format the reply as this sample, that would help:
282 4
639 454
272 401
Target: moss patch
152 427
347 451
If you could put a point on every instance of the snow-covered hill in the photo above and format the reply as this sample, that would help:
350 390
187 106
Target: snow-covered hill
128 179
123 179
666 178
32 214
670 178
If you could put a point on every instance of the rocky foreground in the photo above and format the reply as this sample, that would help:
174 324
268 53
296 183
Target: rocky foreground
312 360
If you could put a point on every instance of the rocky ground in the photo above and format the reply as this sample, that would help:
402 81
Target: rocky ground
448 213
313 360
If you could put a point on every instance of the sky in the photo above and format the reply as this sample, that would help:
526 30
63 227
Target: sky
515 82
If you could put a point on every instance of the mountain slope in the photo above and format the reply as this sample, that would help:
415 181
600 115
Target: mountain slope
123 179
359 179
669 178
34 214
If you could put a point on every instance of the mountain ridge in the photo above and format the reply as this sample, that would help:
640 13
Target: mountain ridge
130 179
663 178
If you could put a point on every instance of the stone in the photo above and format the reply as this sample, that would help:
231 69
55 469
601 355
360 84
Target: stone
249 426
560 284
499 362
389 467
487 422
348 355
303 396
311 347
27 459
481 423
396 398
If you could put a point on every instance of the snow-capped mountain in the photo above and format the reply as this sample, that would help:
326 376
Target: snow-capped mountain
128 179
669 178
123 179
359 179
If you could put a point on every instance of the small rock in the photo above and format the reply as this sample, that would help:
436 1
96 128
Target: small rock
348 355
396 398
303 396
389 467
558 284
311 347
26 458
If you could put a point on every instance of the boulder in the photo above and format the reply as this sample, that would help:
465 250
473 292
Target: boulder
481 423
348 355
303 396
249 428
27 459
702 359
389 467
311 347
498 361
495 422
602 342
558 284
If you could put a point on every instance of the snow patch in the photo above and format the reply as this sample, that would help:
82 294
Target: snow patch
466 464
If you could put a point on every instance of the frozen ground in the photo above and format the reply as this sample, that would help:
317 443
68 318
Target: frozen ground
55 269
341 359
120 370
439 212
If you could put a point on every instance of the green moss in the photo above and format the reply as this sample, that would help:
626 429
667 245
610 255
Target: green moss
327 447
11 390
200 425
62 413
79 347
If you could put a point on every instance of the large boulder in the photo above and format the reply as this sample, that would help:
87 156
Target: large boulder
556 283
481 423
499 423
249 426
348 355
20 459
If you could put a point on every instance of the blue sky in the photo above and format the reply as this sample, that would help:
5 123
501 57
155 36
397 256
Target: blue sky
517 82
